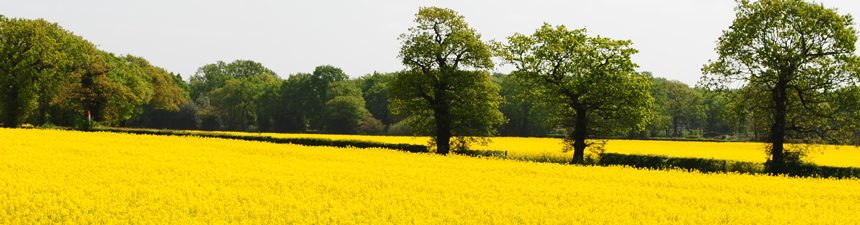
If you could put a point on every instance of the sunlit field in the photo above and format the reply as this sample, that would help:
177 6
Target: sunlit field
550 149
50 176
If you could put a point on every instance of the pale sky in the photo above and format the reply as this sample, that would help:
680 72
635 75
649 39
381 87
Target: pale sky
674 37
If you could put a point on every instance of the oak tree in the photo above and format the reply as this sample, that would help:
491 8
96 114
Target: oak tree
591 79
792 58
446 91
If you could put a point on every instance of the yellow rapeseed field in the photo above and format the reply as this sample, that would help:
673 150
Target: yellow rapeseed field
68 177
550 149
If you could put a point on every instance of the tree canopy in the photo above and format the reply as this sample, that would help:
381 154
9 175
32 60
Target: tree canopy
794 60
321 82
31 53
592 80
229 92
527 114
446 91
50 76
676 107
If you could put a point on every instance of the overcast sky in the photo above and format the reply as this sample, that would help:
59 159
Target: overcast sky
674 37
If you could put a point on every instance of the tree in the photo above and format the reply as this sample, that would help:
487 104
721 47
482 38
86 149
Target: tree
269 107
661 120
371 125
59 100
50 75
121 89
30 50
345 111
719 119
170 106
128 88
676 106
793 58
296 92
438 92
320 82
90 93
234 104
591 79
375 89
170 95
230 93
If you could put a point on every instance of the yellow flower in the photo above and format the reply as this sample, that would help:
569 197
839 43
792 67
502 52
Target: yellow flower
69 177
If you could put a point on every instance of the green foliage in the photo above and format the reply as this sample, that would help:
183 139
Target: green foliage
295 96
321 81
117 93
309 102
442 40
527 115
591 79
212 76
375 88
722 166
345 111
185 118
472 103
231 93
438 95
371 125
30 51
400 128
51 76
676 107
719 117
169 93
791 58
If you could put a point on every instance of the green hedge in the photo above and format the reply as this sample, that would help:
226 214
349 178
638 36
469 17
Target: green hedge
483 153
810 170
714 165
298 141
663 162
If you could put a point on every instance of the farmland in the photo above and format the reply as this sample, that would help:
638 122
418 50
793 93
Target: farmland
550 149
51 176
354 112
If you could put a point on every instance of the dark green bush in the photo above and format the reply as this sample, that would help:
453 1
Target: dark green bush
663 162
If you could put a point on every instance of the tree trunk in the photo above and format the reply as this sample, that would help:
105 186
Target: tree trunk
777 130
675 124
443 132
443 122
580 132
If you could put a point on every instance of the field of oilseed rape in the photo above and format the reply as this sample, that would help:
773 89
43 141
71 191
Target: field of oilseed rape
69 177
550 149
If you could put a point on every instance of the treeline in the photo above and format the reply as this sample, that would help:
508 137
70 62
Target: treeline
245 95
52 77
49 76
